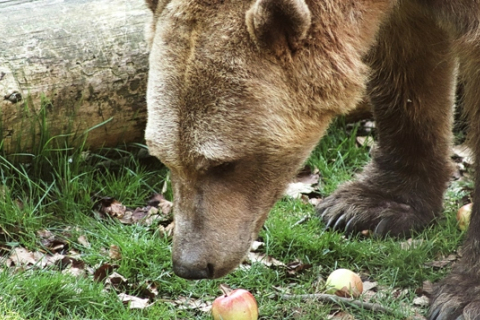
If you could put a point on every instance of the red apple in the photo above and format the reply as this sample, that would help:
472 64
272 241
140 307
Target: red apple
344 283
238 304
463 216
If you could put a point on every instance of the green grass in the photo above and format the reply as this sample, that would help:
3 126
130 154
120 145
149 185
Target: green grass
56 189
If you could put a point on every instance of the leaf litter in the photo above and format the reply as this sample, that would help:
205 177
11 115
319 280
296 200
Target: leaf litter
56 251
158 212
306 183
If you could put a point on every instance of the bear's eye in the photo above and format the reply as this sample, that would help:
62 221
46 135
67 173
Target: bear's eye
222 168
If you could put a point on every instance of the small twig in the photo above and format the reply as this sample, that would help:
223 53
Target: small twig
338 300
304 219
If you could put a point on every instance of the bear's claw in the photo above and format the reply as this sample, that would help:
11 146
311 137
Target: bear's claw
340 224
457 296
354 208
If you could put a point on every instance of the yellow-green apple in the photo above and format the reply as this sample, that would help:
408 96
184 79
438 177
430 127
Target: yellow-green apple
344 283
463 216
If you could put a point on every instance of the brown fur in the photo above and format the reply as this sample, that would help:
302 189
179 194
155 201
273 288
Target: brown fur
240 92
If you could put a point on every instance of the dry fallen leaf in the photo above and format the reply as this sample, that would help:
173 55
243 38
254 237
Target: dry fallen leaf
21 258
314 201
157 210
45 234
422 301
114 252
365 141
126 218
411 244
159 201
64 262
256 245
75 267
103 271
166 206
296 189
463 152
83 241
153 217
134 302
296 267
369 285
116 282
168 230
149 290
264 259
139 214
443 262
24 257
51 242
192 304
308 175
427 288
305 182
113 208
463 158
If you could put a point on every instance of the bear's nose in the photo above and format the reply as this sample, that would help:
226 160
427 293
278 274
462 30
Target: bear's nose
193 270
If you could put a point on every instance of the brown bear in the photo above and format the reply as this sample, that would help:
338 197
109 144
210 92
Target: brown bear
240 92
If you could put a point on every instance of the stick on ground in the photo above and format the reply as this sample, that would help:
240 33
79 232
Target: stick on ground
338 300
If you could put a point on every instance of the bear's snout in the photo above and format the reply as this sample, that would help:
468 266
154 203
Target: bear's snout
194 262
189 267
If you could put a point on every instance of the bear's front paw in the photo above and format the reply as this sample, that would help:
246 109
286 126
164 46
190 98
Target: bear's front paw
356 207
457 297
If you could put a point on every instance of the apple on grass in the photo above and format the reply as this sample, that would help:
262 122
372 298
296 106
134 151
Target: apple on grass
237 304
463 216
344 283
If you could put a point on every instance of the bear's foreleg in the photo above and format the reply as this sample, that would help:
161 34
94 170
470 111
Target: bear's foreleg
412 91
458 295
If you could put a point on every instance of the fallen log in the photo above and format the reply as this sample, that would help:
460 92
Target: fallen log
68 66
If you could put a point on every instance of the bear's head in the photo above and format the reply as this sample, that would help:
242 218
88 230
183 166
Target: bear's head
239 93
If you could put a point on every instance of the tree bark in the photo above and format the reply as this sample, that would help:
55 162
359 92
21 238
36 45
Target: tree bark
69 65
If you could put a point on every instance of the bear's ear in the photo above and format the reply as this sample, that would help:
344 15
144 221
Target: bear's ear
278 24
152 4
